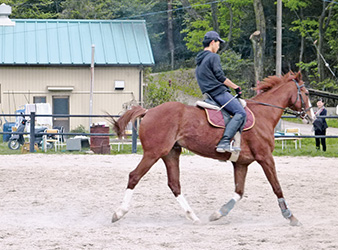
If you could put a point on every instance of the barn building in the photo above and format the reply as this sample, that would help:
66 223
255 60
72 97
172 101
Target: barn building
49 61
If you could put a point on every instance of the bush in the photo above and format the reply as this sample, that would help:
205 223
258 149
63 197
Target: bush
79 129
158 92
170 86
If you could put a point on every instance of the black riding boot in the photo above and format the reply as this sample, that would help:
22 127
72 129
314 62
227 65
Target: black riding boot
231 129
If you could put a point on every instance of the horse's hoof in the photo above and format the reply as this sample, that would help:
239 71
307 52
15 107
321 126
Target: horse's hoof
119 213
192 216
215 216
115 218
294 221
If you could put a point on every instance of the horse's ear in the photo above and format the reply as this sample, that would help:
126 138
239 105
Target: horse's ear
298 76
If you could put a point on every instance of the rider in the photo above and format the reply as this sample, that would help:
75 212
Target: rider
211 80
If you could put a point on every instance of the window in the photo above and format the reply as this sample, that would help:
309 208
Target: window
39 99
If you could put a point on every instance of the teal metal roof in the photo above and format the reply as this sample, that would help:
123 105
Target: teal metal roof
68 42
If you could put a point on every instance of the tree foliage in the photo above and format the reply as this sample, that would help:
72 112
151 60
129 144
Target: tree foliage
230 15
103 9
39 9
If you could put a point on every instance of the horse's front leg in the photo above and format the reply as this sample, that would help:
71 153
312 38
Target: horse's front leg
172 165
240 172
124 207
134 177
268 165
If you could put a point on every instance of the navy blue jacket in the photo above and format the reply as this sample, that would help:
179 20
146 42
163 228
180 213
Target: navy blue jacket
320 123
209 73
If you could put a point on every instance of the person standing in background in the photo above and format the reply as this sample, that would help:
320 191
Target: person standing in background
320 125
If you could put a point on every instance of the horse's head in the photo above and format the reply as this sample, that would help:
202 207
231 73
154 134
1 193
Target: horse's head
300 100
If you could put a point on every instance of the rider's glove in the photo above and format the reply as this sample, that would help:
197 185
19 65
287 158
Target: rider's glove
239 92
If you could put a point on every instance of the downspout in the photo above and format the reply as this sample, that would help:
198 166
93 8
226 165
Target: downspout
140 86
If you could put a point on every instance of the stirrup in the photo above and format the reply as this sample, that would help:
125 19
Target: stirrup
229 149
235 149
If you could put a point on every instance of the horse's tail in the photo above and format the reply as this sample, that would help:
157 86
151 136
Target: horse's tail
130 115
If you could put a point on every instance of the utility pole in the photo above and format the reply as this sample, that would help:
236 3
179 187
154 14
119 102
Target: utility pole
91 85
279 48
279 39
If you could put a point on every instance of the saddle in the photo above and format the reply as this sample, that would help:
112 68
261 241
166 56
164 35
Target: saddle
220 118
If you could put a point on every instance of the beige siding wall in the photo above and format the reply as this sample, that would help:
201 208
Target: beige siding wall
20 84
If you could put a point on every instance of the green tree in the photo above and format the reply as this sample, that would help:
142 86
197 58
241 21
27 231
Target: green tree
258 39
318 32
230 17
240 71
37 9
104 9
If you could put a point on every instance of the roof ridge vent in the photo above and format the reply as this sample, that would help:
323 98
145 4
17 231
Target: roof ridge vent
5 11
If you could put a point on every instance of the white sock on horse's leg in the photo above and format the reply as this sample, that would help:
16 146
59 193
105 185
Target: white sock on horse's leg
189 213
236 197
123 209
127 198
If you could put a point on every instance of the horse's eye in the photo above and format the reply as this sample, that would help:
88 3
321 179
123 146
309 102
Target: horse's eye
307 94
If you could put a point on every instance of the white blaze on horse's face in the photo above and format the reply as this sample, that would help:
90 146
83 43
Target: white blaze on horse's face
306 107
309 118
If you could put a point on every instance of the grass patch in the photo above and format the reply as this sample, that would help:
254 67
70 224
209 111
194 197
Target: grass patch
5 150
124 149
308 148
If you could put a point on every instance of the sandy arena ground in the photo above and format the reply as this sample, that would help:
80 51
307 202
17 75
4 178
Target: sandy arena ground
67 201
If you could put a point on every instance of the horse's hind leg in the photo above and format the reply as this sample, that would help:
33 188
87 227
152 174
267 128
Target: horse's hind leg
240 171
268 166
173 171
134 177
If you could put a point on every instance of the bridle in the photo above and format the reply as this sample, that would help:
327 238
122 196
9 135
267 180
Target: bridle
302 114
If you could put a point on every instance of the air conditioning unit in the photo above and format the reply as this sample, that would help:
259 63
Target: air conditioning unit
119 85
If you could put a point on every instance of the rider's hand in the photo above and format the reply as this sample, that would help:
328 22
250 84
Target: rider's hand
239 92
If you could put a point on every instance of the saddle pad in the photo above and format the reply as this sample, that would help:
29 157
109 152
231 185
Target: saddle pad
215 118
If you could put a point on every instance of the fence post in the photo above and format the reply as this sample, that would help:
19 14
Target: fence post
32 133
134 138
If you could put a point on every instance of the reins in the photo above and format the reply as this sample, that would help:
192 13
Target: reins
286 110
266 104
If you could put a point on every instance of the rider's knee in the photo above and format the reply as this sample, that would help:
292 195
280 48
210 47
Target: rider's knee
240 115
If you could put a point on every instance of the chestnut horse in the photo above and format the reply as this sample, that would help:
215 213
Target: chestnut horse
167 128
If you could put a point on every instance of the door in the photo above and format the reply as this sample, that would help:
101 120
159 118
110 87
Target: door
61 107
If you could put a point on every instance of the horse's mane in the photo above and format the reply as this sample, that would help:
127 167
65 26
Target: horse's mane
272 81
